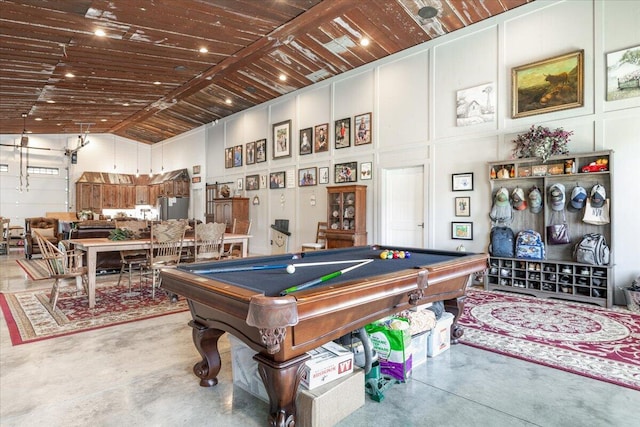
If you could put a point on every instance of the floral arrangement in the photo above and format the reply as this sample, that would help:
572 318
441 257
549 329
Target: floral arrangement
541 142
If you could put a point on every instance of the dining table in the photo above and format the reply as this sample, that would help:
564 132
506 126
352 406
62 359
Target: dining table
102 244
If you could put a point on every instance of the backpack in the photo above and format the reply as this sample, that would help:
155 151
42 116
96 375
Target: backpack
591 249
529 245
501 244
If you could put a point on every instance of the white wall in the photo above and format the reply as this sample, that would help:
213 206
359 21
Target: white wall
412 99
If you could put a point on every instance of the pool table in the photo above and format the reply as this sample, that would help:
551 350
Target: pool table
247 303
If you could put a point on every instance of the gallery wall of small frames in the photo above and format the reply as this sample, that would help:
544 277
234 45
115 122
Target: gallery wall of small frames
316 139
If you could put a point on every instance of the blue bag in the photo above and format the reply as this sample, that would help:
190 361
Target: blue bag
529 245
502 240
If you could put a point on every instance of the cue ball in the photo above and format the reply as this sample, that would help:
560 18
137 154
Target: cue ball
291 269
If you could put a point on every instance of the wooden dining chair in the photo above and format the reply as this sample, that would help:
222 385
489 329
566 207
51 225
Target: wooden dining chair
133 260
167 238
321 239
239 227
209 241
62 264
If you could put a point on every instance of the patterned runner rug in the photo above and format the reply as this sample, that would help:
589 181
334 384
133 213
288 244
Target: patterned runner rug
595 342
36 269
30 318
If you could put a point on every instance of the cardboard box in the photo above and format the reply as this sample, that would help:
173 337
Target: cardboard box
328 362
330 403
245 369
440 338
419 348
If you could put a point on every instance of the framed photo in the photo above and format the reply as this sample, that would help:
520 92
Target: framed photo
196 179
550 85
263 181
321 138
196 170
237 156
253 182
277 179
239 183
228 157
306 141
324 175
476 105
343 133
307 177
462 181
363 129
250 150
365 170
463 206
623 69
462 230
261 150
346 172
282 139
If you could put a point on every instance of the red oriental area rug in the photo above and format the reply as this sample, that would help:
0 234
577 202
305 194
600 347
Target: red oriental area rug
595 342
30 318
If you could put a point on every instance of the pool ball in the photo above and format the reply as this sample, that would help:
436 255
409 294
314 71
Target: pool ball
291 269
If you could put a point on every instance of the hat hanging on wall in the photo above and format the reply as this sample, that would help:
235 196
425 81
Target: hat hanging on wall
578 199
535 200
517 199
556 197
598 196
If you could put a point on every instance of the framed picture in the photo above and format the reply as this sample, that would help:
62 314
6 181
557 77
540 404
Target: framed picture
277 179
321 138
365 171
550 85
463 206
462 181
346 172
281 139
363 129
306 141
228 157
324 175
253 182
307 177
196 179
263 181
623 69
196 170
239 183
237 156
250 150
462 230
343 133
476 105
261 150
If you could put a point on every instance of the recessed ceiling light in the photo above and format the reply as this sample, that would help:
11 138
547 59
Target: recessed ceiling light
103 120
204 50
70 75
100 33
283 78
157 83
228 101
50 101
38 119
427 12
125 104
364 41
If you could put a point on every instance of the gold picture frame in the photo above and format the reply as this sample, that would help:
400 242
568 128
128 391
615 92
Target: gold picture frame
551 85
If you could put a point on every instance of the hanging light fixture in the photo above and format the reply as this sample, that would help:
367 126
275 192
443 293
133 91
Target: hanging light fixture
137 160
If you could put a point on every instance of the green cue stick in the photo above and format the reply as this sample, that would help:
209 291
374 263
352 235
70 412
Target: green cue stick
323 278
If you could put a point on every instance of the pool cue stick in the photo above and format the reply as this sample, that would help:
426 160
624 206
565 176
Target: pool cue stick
323 279
234 269
270 267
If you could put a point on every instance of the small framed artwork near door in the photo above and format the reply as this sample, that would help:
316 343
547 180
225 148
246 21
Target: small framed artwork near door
463 206
462 230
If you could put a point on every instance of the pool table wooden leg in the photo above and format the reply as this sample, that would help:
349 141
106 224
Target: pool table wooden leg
455 307
281 380
206 342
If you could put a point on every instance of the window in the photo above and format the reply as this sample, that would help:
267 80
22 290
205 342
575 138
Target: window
42 171
4 168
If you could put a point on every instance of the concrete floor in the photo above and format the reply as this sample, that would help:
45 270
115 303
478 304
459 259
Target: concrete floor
139 374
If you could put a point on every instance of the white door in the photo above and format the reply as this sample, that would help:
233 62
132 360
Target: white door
403 207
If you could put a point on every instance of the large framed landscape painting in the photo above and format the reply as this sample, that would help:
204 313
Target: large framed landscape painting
550 85
623 74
